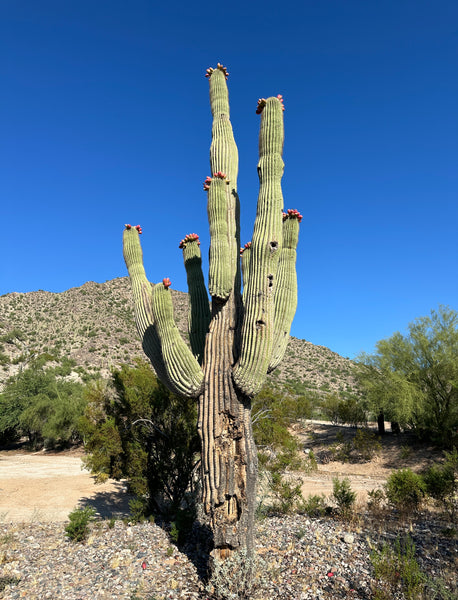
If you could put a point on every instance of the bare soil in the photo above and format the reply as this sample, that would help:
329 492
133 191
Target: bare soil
394 451
47 486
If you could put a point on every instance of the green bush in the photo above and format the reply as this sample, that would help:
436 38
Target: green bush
45 408
396 568
361 447
344 497
78 528
313 506
441 482
134 428
346 409
375 500
405 490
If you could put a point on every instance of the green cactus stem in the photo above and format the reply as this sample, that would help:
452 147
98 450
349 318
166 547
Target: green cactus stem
223 207
220 275
286 290
199 309
182 368
142 295
258 322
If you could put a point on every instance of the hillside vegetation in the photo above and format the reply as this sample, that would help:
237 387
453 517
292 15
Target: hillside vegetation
93 326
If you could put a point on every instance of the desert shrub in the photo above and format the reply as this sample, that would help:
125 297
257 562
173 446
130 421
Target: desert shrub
279 451
45 408
396 568
405 490
346 409
237 577
313 506
441 482
136 429
287 494
366 444
344 497
361 447
78 528
375 500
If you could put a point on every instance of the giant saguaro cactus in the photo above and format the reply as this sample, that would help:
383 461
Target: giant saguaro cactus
236 343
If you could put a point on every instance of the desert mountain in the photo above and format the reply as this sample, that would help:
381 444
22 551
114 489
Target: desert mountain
93 326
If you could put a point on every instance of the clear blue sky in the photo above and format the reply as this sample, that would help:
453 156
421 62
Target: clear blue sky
105 120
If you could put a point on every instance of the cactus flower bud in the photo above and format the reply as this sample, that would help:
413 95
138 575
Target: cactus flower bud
292 213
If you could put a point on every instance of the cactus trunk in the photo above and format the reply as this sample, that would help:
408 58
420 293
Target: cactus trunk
234 346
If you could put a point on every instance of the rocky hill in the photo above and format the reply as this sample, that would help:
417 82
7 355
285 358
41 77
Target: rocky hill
93 326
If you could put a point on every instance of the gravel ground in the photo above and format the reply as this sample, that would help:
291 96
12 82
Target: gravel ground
301 559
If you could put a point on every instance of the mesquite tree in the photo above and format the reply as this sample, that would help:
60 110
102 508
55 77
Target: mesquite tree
236 342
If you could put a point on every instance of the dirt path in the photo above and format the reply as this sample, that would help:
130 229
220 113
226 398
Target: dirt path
47 487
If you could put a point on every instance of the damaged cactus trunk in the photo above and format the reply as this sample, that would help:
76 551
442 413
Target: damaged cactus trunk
236 342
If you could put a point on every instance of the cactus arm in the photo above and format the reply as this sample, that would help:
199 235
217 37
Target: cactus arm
199 309
220 277
286 290
258 322
142 296
182 368
223 199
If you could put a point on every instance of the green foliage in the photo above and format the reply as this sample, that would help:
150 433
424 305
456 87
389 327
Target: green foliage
134 428
360 447
78 528
344 409
12 336
376 497
279 451
344 497
313 506
405 490
396 568
441 482
39 404
413 378
273 412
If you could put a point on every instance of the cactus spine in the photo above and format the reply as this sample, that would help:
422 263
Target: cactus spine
241 339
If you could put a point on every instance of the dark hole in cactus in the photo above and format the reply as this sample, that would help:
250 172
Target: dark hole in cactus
271 280
260 324
273 246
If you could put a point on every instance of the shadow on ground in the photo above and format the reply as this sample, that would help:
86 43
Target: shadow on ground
109 504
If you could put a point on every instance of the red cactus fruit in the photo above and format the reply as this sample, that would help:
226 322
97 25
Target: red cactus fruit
292 214
167 283
246 247
127 226
191 237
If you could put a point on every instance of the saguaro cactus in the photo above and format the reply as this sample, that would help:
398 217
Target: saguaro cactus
240 339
